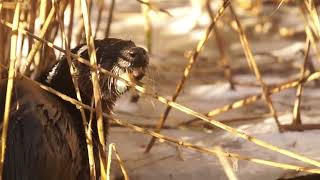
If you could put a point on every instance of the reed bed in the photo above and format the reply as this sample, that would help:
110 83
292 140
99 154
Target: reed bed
36 26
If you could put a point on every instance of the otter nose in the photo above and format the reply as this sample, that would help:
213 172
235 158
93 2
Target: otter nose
139 57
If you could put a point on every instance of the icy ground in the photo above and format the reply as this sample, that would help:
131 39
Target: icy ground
207 89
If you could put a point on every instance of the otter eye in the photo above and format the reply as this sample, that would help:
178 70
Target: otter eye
132 54
136 52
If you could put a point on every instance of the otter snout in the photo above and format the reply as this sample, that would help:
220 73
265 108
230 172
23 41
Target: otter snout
139 61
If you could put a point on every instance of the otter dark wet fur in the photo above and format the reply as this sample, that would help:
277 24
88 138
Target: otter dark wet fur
46 137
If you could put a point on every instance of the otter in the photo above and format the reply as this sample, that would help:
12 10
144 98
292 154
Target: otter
46 138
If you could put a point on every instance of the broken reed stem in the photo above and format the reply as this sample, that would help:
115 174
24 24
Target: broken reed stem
154 7
297 103
110 17
169 139
254 67
147 26
77 90
96 88
225 164
187 71
222 48
36 45
112 148
11 74
194 113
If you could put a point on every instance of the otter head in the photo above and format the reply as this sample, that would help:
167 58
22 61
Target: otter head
122 58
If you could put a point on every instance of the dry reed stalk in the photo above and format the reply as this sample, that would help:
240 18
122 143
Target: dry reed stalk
313 42
2 50
147 26
12 5
11 75
43 11
31 22
312 15
100 10
297 103
70 27
80 26
77 90
89 136
36 45
225 164
109 162
110 17
121 163
112 148
276 9
96 88
230 120
197 114
154 7
222 49
311 36
254 67
173 140
187 71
